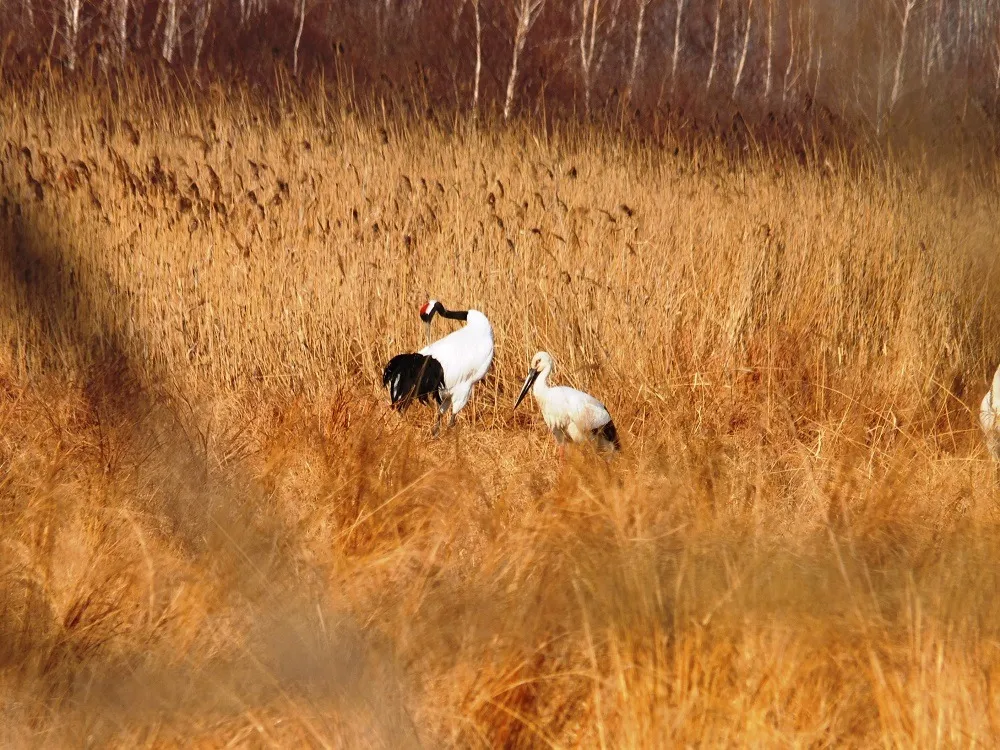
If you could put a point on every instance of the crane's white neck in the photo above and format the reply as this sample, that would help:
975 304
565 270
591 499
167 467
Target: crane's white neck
476 319
541 384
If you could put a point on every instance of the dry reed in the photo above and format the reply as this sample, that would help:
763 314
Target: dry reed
215 532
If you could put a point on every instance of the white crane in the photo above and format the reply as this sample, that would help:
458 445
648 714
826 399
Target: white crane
446 370
989 416
569 413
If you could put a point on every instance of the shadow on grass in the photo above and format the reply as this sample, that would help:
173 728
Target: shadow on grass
294 644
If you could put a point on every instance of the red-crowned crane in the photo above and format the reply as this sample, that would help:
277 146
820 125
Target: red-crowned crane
989 417
446 370
569 413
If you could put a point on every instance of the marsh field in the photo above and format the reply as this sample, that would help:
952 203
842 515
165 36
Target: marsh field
215 532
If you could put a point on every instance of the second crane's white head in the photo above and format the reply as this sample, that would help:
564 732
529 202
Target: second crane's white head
541 364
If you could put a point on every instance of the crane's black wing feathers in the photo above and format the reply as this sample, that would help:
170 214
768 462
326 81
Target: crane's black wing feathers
410 376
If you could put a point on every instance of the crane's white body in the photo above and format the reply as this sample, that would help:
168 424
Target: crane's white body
465 356
989 416
569 413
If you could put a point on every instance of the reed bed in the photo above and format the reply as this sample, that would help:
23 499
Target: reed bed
215 531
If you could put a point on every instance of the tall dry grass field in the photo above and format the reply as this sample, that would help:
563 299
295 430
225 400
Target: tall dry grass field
215 532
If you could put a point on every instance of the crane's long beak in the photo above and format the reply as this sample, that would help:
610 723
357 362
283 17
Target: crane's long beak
528 382
427 328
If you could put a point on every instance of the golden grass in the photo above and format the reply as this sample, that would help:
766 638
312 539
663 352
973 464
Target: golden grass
214 531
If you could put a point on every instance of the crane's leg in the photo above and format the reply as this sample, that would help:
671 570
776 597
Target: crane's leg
459 398
445 403
560 437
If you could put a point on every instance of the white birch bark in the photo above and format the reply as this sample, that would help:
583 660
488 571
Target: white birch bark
527 12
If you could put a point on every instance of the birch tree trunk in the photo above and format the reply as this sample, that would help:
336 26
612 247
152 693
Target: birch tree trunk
527 12
479 58
170 31
715 47
202 20
121 27
71 14
770 48
636 48
786 83
588 34
677 44
743 54
897 82
298 36
819 69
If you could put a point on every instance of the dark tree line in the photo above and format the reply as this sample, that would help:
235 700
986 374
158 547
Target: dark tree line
863 62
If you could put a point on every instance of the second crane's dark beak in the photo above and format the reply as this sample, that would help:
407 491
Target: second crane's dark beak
528 382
